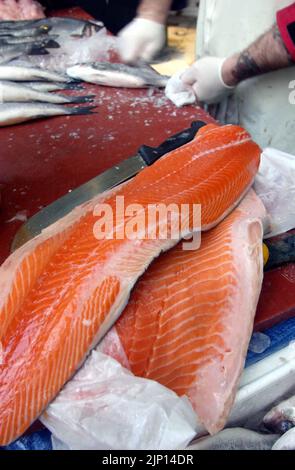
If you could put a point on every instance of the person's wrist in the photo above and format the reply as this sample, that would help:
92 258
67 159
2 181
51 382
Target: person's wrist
227 72
156 18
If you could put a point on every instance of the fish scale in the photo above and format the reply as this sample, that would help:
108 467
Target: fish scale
45 337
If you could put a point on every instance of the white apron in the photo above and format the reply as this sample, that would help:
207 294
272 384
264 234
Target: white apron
261 104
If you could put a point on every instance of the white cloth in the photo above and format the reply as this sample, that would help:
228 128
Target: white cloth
178 92
261 104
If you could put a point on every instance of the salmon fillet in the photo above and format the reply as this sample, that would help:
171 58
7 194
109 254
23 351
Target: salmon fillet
64 290
189 320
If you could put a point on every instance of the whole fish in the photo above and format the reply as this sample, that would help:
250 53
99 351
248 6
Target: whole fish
52 86
15 113
282 417
71 26
19 73
19 93
34 31
7 53
118 75
12 24
57 25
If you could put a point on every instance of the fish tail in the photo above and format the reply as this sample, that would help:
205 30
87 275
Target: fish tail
81 99
84 110
73 86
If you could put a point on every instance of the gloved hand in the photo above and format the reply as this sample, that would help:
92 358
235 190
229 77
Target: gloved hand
141 40
205 78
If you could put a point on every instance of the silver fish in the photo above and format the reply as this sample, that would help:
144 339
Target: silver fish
11 24
19 73
19 93
118 75
21 32
282 417
16 113
7 53
57 25
52 86
235 439
73 26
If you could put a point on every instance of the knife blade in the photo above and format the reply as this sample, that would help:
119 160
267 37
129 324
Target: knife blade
110 178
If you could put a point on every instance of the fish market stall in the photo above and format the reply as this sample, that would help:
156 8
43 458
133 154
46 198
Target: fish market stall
43 160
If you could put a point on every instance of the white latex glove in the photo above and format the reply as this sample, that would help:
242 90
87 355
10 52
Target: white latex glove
141 40
205 78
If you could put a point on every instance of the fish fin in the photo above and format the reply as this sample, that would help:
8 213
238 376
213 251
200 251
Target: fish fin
73 86
81 99
38 50
51 44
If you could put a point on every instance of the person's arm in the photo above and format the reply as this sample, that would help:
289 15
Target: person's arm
266 54
211 78
154 10
146 34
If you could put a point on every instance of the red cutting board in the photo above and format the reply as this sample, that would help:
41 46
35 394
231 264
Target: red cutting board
277 300
42 160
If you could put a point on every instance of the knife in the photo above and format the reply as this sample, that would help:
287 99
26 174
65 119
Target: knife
110 178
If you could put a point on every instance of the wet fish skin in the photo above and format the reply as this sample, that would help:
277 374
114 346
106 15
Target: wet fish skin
235 439
118 75
19 73
8 40
15 51
16 113
35 31
60 25
30 47
286 442
71 26
52 86
16 92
